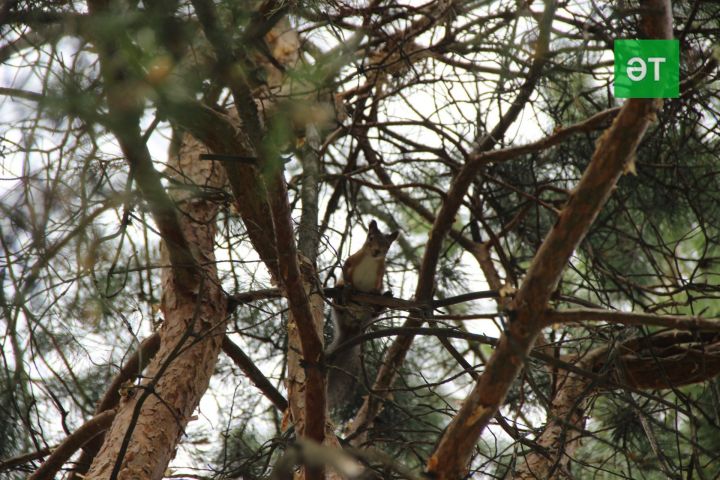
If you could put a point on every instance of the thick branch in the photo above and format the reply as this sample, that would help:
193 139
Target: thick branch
254 374
220 134
294 286
667 359
309 235
614 148
71 444
443 223
680 322
132 368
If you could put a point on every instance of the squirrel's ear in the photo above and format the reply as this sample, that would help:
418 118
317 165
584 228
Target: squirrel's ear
393 236
373 226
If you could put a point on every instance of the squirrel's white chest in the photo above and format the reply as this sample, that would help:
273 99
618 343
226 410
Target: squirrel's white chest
365 274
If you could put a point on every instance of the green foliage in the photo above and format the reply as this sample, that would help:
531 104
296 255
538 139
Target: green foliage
415 89
242 455
10 404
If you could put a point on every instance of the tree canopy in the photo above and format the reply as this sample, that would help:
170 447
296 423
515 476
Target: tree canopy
182 182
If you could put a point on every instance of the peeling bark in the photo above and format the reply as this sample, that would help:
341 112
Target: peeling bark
614 149
133 366
71 444
666 360
561 434
151 418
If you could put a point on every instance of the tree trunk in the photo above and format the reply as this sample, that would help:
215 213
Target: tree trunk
562 432
152 417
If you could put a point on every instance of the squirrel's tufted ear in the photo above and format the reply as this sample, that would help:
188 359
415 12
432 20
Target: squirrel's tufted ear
373 226
393 236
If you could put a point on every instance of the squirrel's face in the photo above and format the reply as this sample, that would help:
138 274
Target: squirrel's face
378 243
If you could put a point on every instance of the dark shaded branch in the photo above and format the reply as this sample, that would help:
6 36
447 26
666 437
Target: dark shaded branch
12 463
233 351
446 216
680 322
614 148
337 293
219 133
133 367
71 444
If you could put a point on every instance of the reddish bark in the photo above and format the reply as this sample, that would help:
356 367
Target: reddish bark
135 364
614 149
73 443
563 428
152 417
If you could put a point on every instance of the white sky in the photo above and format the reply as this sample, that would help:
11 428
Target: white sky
212 407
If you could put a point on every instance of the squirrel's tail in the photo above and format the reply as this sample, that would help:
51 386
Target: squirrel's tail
345 365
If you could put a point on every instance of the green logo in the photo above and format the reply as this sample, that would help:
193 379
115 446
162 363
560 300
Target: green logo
647 68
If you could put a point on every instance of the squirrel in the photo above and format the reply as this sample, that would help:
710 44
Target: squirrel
363 271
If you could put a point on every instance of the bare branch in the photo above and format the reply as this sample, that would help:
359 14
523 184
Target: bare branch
254 374
71 444
613 150
680 322
443 222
